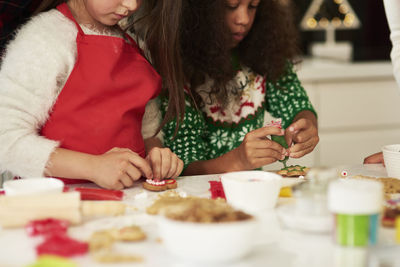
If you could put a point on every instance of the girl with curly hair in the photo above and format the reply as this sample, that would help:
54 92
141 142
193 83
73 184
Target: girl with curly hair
238 58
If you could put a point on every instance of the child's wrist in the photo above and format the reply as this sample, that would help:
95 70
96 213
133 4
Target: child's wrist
90 167
238 163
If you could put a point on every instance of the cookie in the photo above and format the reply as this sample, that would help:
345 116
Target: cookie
129 233
391 212
114 257
103 240
391 185
293 171
158 186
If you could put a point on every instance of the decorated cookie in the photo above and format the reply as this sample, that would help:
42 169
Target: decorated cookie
157 186
391 212
293 171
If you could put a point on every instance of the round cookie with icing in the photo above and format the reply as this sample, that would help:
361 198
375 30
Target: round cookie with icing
162 185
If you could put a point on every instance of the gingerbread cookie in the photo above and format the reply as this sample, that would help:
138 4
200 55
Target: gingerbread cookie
293 171
158 186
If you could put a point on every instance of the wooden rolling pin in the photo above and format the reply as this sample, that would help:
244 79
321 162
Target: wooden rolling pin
17 211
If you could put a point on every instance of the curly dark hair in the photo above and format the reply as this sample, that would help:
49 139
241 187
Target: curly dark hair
267 49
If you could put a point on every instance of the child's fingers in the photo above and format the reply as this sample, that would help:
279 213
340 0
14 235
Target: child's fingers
289 135
297 150
294 129
179 169
165 162
265 144
299 125
173 166
302 137
117 186
141 164
305 135
301 153
263 132
127 181
301 131
131 173
267 153
156 161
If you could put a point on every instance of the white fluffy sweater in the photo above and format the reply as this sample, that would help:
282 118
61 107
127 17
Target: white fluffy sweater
33 72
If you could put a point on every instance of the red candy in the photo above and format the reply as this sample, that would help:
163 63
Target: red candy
47 227
99 194
62 245
217 191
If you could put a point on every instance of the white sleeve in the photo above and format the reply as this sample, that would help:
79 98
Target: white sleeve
34 69
392 8
152 120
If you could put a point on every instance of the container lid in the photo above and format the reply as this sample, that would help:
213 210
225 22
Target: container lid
355 196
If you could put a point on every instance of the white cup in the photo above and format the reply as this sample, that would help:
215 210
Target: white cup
252 191
391 155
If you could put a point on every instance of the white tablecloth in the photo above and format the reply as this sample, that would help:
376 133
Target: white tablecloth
278 246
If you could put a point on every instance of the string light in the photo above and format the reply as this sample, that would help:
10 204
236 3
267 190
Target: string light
324 22
319 16
343 9
311 23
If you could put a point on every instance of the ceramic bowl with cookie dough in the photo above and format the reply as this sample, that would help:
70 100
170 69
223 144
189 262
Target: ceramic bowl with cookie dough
203 230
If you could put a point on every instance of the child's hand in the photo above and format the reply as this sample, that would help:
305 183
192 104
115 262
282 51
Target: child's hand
119 168
257 150
302 137
164 163
375 159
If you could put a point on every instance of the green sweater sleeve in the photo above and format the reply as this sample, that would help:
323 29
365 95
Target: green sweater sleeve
189 143
287 97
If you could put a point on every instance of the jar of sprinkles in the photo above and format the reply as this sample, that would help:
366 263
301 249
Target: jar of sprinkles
356 205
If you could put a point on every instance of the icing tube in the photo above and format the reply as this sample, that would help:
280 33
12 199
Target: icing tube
279 139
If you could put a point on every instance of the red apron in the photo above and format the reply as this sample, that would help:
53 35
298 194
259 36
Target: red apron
103 101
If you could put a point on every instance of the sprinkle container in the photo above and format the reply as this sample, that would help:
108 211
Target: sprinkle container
356 205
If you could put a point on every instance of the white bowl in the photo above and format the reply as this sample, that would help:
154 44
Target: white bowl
391 155
208 242
252 191
28 186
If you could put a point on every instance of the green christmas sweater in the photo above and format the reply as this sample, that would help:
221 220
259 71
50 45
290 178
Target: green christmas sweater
213 131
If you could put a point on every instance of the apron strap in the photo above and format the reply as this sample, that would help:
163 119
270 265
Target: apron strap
64 9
